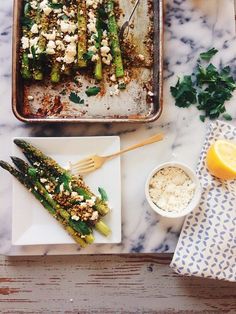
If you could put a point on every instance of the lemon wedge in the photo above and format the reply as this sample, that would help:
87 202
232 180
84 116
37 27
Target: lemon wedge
221 159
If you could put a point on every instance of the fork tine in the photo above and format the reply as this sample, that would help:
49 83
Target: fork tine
83 170
85 160
81 164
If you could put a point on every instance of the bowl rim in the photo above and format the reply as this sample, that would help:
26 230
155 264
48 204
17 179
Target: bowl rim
193 203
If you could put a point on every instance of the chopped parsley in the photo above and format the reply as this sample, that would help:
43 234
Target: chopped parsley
88 55
27 22
103 194
209 88
92 91
208 54
75 98
55 6
184 92
122 86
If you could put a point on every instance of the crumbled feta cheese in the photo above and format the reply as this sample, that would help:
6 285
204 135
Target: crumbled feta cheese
95 57
75 217
47 187
141 57
61 188
150 93
34 29
90 203
171 189
92 49
50 36
94 216
43 180
47 10
34 4
25 42
51 44
73 194
116 90
60 45
30 97
68 27
33 41
70 53
105 50
50 51
113 78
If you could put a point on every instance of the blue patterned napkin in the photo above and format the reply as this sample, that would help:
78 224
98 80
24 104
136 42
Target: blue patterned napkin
207 243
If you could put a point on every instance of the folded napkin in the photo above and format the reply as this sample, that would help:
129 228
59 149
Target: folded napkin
207 243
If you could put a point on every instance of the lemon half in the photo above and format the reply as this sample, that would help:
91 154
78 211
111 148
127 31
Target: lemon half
221 159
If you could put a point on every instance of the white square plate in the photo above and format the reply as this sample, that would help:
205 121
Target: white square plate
32 224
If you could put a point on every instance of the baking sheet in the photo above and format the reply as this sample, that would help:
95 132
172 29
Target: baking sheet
131 105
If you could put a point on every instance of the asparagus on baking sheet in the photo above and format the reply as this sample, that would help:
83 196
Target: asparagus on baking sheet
82 33
114 38
25 64
24 181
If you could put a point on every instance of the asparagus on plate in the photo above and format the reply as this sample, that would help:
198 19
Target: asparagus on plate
24 181
50 166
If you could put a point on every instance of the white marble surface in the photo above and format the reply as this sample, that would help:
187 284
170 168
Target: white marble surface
191 26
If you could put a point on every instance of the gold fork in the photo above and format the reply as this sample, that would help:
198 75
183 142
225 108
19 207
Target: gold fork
94 162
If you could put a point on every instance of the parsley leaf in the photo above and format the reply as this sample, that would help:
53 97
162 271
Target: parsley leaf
208 54
92 91
121 86
76 98
55 5
103 194
88 55
227 117
184 92
27 22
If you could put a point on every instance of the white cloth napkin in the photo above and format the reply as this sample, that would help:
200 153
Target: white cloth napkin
207 243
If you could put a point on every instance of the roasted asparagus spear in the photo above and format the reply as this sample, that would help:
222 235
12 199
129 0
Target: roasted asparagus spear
24 181
80 226
114 38
82 33
31 173
25 64
48 164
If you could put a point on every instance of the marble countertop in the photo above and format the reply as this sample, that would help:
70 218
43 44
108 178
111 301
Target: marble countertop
190 27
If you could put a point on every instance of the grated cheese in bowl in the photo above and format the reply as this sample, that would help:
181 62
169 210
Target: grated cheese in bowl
173 190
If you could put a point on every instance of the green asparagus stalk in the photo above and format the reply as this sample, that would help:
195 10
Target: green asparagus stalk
49 165
25 182
42 19
114 38
55 72
98 65
102 228
31 173
25 64
82 33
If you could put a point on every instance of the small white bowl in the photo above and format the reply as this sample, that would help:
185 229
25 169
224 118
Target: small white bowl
193 203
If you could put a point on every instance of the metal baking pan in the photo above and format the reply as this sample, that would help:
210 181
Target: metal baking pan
132 105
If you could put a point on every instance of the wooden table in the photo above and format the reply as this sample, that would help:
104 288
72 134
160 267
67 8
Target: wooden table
107 284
